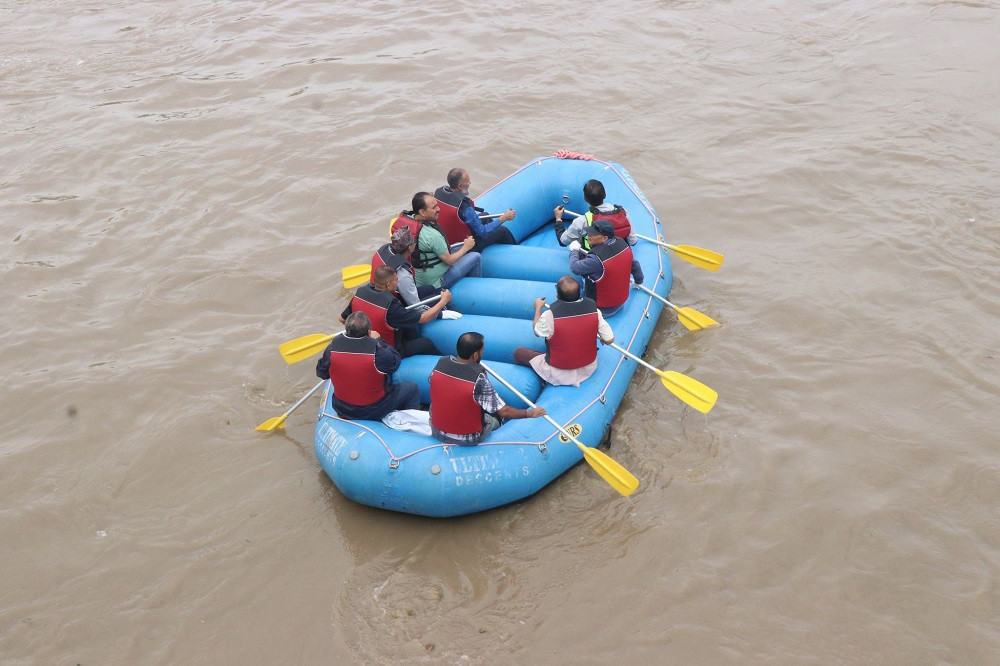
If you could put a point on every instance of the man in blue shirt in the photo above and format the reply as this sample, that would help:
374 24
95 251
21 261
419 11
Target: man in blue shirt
454 200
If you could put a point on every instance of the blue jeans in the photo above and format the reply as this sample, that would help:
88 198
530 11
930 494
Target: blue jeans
470 264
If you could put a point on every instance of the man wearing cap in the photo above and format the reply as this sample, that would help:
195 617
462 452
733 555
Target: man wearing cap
361 364
396 324
570 327
594 194
396 254
606 268
455 204
450 266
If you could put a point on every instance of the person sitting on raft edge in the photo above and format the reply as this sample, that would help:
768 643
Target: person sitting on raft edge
465 407
361 364
455 203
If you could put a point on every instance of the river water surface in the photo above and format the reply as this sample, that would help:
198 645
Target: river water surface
181 182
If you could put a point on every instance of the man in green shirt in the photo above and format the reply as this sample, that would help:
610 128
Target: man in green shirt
453 265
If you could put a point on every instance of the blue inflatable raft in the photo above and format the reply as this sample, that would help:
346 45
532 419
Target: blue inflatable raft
402 471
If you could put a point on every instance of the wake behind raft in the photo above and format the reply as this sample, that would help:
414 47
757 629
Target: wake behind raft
413 473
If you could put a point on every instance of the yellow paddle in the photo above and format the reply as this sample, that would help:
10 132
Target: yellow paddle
617 476
700 257
355 276
279 421
710 261
691 318
302 348
691 391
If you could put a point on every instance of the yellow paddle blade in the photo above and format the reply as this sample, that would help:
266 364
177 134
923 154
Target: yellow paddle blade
302 348
694 320
700 257
617 476
356 282
272 424
691 391
354 276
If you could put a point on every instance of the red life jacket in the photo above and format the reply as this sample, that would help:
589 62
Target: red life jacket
375 304
449 203
573 344
611 289
384 256
356 380
618 218
419 258
454 409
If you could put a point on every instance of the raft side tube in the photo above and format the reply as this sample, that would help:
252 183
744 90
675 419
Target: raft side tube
502 335
500 297
517 262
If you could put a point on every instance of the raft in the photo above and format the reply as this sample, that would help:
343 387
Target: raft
413 473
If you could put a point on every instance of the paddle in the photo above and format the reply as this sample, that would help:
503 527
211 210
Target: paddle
691 391
617 476
700 257
710 261
694 320
355 276
279 421
302 348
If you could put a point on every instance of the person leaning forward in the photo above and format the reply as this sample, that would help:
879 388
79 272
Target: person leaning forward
465 407
361 365
455 203
396 324
451 266
570 328
606 269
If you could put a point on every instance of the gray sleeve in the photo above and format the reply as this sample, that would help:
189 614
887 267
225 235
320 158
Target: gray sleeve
407 288
574 231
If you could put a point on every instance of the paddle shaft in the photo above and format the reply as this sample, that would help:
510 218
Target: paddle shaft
424 302
654 295
531 404
303 399
279 421
634 358
653 240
